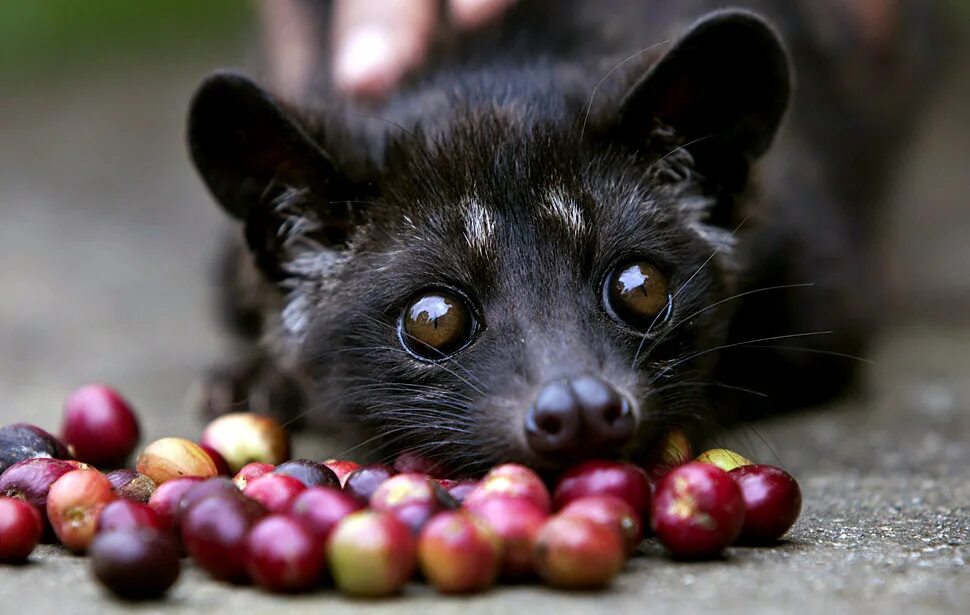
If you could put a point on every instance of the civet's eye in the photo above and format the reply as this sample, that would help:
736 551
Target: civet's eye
436 324
636 292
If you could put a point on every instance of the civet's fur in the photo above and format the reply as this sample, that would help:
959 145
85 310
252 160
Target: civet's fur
517 169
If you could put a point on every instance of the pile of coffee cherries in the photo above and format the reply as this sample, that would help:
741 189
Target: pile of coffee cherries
244 512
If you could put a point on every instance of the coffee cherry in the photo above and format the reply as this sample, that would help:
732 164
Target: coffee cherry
219 485
342 468
674 450
371 554
283 556
74 503
222 468
214 533
127 515
319 509
171 458
31 479
310 473
274 491
251 471
612 511
165 501
459 553
574 552
697 511
21 527
517 522
415 515
723 458
410 462
21 441
413 498
597 477
772 502
99 426
460 490
131 485
136 563
364 481
514 480
243 437
79 465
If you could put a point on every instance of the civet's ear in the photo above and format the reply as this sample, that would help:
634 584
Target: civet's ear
251 153
725 81
243 143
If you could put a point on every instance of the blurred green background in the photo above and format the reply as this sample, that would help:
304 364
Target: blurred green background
52 35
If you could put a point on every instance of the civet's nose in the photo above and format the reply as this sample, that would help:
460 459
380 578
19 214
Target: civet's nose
580 415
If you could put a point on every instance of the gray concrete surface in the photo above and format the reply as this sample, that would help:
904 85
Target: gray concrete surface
105 241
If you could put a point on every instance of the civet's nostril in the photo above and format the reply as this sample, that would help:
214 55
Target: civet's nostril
584 413
606 414
552 425
614 413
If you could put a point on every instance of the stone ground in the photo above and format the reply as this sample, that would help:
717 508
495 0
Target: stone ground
105 241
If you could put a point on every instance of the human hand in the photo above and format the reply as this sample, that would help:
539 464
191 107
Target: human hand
377 42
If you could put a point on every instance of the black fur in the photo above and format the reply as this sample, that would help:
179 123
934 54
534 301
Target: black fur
467 179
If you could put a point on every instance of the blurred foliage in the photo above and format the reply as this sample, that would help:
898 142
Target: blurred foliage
54 34
961 6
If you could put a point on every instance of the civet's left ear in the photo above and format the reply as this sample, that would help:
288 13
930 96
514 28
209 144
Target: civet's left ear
725 82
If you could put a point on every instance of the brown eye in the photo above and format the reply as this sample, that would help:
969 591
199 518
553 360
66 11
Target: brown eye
637 293
436 324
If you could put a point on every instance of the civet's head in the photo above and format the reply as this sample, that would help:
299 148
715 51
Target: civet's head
524 283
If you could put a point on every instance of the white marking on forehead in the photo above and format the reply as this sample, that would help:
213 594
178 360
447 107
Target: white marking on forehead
561 207
479 226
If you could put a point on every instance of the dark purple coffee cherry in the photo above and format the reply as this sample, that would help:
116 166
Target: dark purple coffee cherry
20 441
310 473
364 481
135 564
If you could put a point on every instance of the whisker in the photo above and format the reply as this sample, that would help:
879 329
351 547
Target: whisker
736 344
706 383
609 73
423 424
379 436
384 385
683 287
417 413
832 353
734 297
442 397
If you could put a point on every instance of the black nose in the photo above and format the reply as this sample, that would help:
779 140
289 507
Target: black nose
582 415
